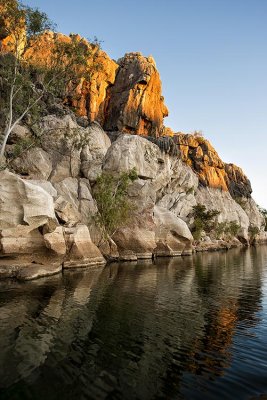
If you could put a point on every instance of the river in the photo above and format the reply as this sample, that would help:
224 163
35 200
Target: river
183 328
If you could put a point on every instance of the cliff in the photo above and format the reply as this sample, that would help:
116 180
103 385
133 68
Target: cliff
201 156
136 104
47 204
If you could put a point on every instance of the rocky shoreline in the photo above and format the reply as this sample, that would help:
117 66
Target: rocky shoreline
115 125
46 213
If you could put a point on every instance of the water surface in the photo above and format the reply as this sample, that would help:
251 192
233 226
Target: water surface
182 328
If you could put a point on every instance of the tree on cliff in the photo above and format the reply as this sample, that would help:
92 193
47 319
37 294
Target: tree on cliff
114 206
25 80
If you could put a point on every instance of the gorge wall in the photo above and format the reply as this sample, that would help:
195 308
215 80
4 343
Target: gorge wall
47 204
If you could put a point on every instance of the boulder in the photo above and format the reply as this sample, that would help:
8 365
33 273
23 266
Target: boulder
131 151
94 151
23 203
62 138
22 239
34 163
46 185
173 236
55 241
26 210
78 204
66 212
19 133
81 250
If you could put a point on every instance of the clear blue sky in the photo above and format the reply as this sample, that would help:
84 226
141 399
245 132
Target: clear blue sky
212 57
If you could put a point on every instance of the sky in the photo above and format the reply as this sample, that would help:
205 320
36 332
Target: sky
212 59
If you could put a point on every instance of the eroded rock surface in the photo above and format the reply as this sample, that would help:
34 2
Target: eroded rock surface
32 243
88 98
201 156
173 236
136 104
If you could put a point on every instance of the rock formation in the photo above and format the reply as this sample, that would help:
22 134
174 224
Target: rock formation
47 204
200 155
135 103
88 97
32 243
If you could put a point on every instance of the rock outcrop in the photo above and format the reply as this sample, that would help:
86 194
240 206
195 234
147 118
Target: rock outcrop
32 243
200 155
135 103
47 205
173 236
89 96
148 232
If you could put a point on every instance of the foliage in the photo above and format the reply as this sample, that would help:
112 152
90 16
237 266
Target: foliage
253 231
264 213
229 229
220 229
232 228
198 134
26 80
190 190
23 145
204 220
114 206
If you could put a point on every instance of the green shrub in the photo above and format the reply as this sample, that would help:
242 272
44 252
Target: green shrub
232 228
253 232
220 229
264 213
204 220
114 205
23 145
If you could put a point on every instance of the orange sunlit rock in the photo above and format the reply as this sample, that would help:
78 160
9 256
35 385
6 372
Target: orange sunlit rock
89 96
211 170
136 103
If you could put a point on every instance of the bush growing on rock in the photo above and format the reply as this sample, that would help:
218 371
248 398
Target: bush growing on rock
253 232
233 228
114 206
264 213
204 220
228 229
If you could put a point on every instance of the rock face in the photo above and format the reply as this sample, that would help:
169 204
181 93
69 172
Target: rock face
94 151
222 201
24 204
89 97
135 101
47 210
237 183
66 150
31 235
156 171
199 154
173 236
81 250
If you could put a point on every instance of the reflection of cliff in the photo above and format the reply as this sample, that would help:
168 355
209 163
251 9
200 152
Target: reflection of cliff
148 331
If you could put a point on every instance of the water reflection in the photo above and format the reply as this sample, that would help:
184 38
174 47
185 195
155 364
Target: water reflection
192 327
